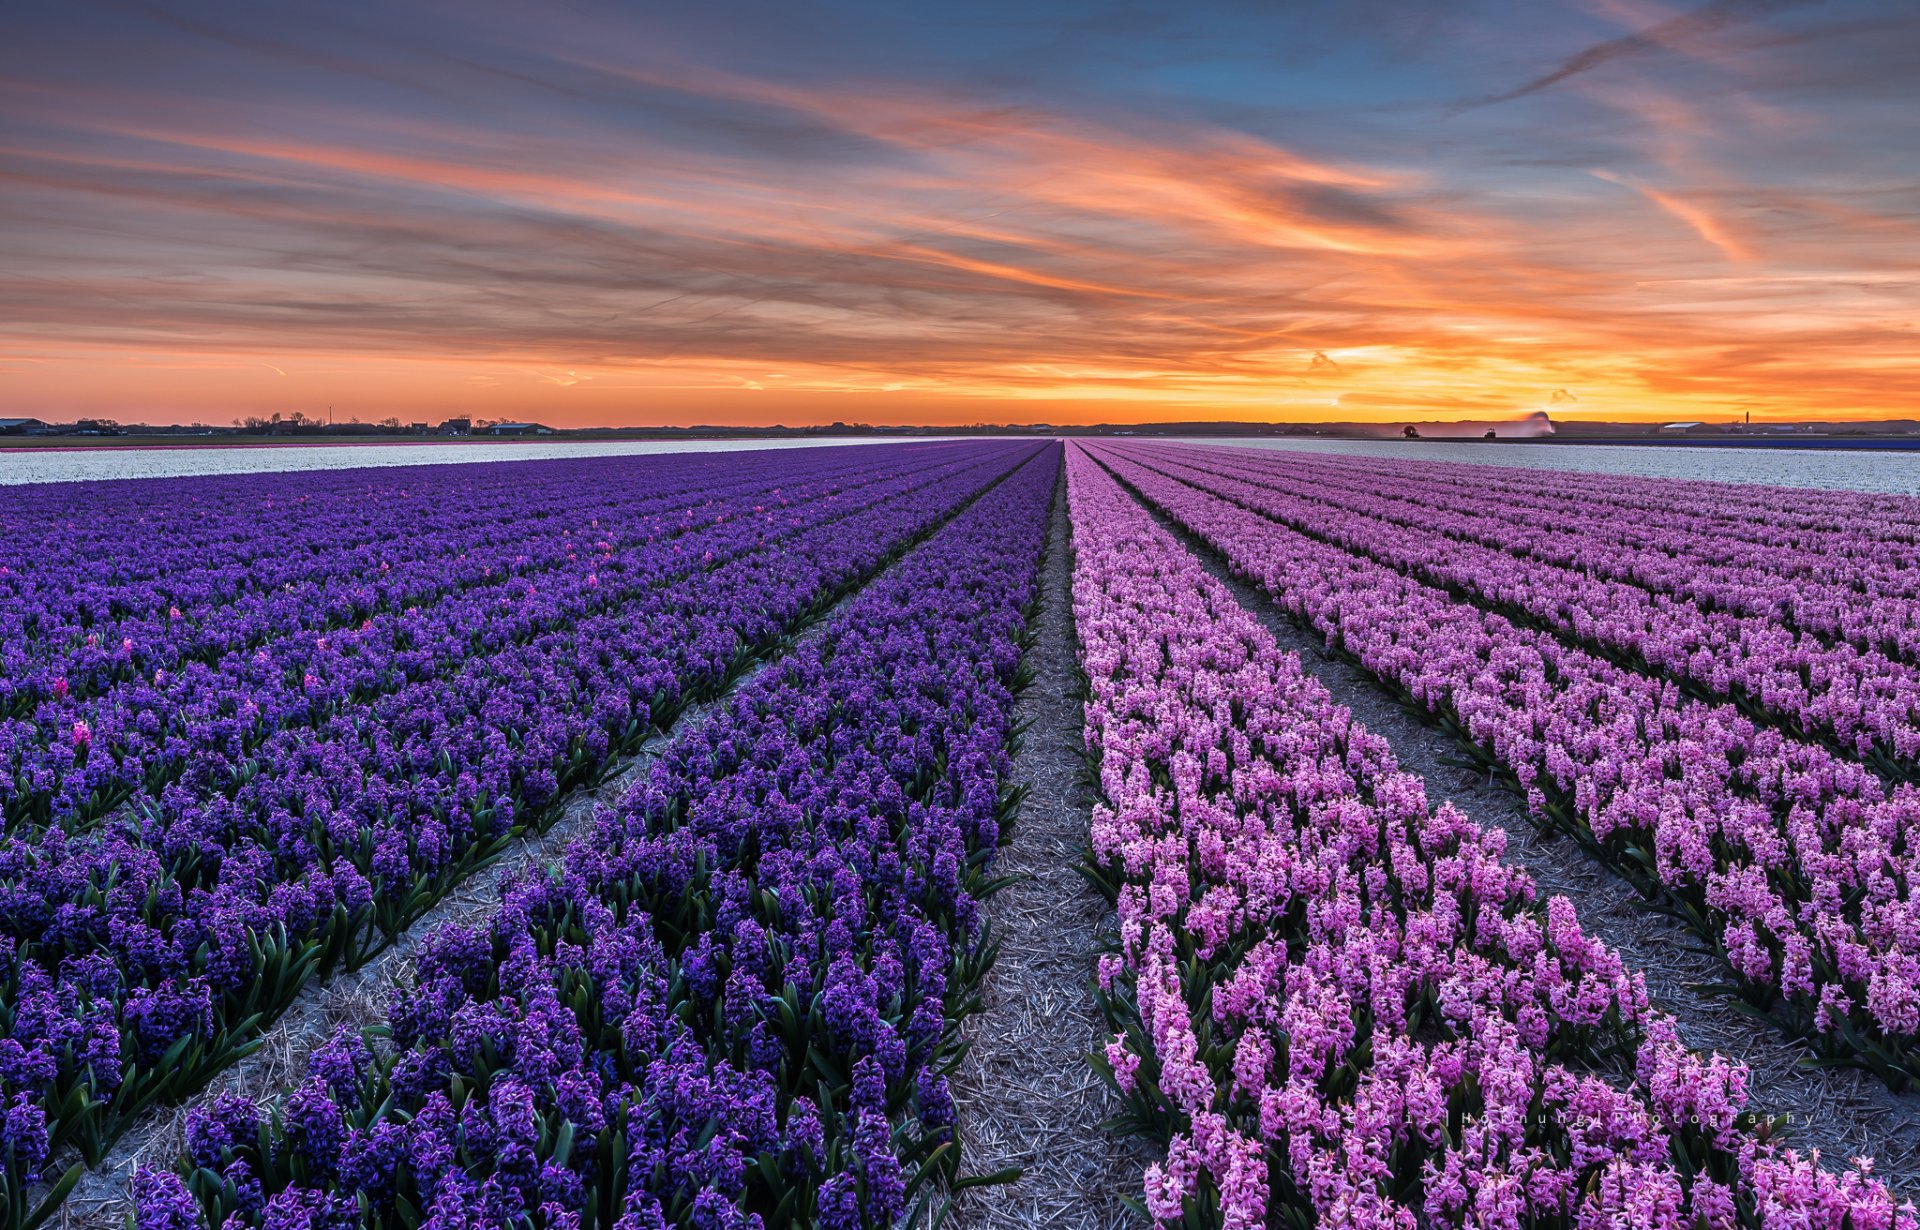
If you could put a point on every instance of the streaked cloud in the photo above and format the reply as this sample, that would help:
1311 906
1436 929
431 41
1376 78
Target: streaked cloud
1682 32
1695 215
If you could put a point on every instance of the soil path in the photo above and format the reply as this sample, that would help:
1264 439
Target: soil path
1027 1096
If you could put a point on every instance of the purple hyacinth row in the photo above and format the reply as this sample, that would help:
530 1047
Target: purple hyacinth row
194 576
1794 864
95 737
138 955
1337 1005
107 587
734 1003
1860 702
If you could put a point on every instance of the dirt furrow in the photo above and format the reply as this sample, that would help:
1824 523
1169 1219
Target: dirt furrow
1027 1096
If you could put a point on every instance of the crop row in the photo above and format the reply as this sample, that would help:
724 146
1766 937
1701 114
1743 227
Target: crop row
1861 703
84 750
116 570
1792 864
1858 524
735 1002
1337 1006
1839 565
140 955
1838 573
194 568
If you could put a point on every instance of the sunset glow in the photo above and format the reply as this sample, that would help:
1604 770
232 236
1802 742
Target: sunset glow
634 215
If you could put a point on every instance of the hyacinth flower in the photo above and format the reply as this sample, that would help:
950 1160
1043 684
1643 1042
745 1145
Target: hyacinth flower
735 1002
82 611
1334 1004
1716 543
286 673
168 942
1793 864
1857 702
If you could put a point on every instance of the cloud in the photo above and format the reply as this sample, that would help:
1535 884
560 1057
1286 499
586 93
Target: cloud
1694 214
1674 33
621 215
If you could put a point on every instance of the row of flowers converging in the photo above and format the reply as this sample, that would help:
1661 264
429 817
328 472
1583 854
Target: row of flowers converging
735 1002
1336 1005
1851 561
1876 536
1792 863
1861 702
222 678
193 568
1874 540
138 957
111 584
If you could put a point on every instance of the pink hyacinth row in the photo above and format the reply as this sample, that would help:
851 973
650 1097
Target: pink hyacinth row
1336 1002
1794 862
1861 701
1846 543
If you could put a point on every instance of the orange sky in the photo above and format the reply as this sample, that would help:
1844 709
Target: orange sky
1602 211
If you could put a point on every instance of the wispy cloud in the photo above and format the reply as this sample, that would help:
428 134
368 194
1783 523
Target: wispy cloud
1682 32
1695 215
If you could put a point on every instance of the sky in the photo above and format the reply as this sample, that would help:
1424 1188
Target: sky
729 211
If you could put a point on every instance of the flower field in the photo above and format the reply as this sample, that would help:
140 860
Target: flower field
301 797
1336 1003
1791 860
254 732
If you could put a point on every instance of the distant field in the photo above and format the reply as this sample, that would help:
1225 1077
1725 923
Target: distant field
868 811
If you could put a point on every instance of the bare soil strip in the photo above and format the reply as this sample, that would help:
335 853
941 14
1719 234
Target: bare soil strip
1842 1112
1026 1095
